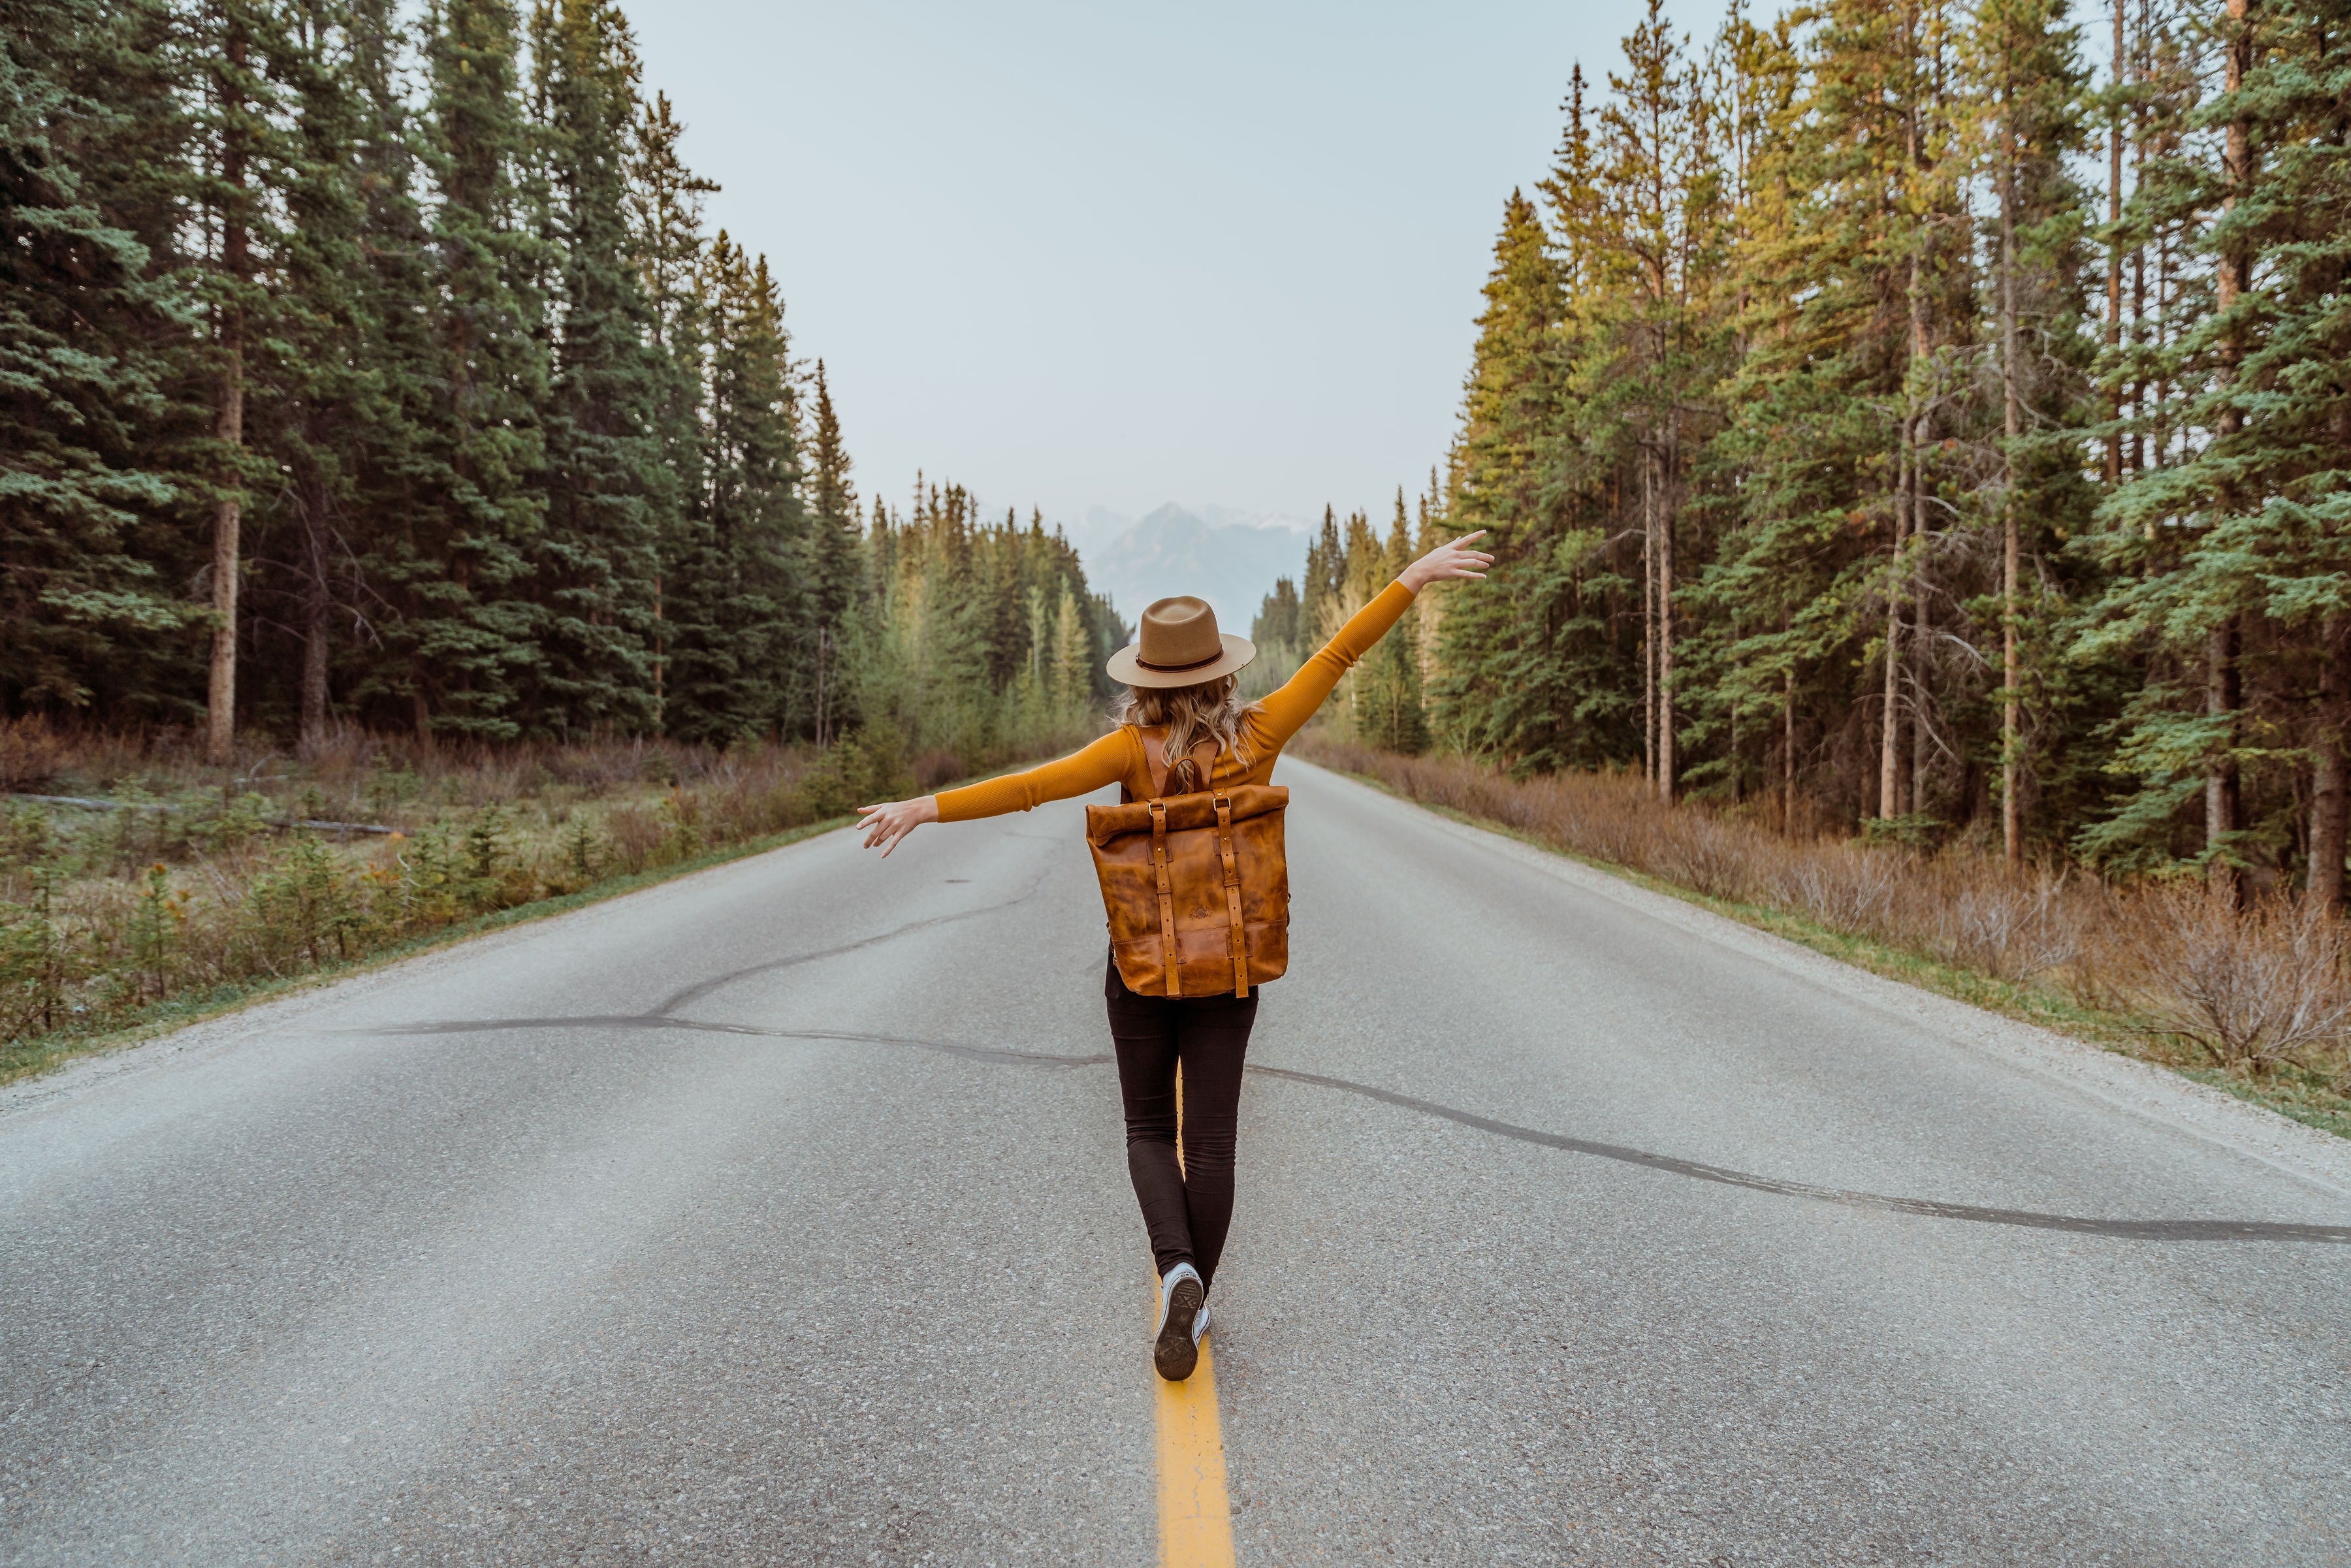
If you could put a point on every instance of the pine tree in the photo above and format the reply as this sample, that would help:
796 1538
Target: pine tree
1072 658
395 470
1654 240
737 599
453 564
833 570
1323 586
321 380
608 493
2227 546
1501 466
89 332
664 202
1277 621
239 42
1390 708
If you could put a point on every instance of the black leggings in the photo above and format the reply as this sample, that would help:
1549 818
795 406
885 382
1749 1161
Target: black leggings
1186 1207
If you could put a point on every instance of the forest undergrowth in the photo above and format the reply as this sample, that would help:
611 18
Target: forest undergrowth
2256 999
148 887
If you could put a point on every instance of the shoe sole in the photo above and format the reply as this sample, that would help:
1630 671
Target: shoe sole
1177 1352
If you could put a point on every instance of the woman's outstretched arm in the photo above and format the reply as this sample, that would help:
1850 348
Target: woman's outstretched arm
1080 773
1285 712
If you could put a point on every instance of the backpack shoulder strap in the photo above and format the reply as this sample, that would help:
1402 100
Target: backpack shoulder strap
1204 760
1154 762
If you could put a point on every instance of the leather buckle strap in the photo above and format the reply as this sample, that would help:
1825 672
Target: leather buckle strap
1166 894
1238 943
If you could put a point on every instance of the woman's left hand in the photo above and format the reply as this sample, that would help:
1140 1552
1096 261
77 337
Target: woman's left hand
1446 562
884 825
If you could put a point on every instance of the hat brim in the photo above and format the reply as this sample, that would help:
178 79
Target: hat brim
1126 667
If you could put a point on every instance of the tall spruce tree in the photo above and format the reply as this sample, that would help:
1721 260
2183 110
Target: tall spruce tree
608 493
833 569
738 598
1500 484
92 327
452 569
665 202
2227 546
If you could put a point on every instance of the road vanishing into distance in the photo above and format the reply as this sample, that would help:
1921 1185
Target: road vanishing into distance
780 1215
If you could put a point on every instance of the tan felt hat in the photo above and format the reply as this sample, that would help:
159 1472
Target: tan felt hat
1180 646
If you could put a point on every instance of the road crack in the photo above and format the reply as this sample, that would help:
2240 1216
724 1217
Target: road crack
701 988
1696 1170
1929 1209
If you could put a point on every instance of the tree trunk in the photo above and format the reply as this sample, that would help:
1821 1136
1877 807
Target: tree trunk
1919 736
1666 629
1916 429
2011 817
318 615
2138 321
1907 524
823 688
2138 388
1649 618
2221 697
2330 809
2115 262
1889 786
661 652
1788 755
228 413
2222 683
220 701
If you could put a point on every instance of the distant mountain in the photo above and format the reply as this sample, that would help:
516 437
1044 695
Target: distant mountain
1231 562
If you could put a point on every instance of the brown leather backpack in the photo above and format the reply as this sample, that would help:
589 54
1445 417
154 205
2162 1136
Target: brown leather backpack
1196 886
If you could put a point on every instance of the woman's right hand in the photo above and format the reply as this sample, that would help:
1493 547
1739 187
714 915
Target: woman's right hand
885 824
1446 562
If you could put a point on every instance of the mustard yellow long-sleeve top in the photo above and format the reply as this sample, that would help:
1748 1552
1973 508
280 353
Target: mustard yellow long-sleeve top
1117 758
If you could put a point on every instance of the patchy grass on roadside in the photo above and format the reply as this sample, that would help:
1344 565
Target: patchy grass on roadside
37 1054
140 889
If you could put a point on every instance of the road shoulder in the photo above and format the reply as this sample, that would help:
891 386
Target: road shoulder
2142 1088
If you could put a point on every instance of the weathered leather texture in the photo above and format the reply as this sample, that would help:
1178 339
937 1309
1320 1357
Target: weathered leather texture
1202 876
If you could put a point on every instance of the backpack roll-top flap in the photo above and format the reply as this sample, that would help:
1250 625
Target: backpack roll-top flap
1186 813
1196 889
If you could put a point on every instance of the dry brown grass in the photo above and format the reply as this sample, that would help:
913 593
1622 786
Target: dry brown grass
195 887
2193 979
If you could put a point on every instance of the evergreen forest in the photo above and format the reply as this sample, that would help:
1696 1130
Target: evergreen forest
1930 418
374 366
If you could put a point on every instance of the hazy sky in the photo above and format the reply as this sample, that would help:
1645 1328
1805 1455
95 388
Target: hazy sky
1105 255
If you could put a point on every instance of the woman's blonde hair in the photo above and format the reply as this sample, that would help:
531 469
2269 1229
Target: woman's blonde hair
1210 710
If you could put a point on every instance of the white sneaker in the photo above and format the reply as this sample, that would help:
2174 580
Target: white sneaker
1183 1319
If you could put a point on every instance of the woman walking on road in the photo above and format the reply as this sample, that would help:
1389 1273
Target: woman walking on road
1178 705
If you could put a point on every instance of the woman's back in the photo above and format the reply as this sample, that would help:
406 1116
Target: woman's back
1119 758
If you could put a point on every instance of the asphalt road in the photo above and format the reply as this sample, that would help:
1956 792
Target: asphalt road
780 1214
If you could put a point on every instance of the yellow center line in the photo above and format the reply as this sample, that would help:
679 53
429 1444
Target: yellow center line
1195 1525
1195 1522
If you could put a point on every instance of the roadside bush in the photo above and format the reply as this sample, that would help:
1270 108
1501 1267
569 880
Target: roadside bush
29 753
2254 990
865 767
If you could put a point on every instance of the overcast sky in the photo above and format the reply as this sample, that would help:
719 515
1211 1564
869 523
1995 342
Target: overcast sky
1114 256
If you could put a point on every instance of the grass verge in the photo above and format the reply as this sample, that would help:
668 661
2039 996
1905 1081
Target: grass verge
25 1058
2082 1005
